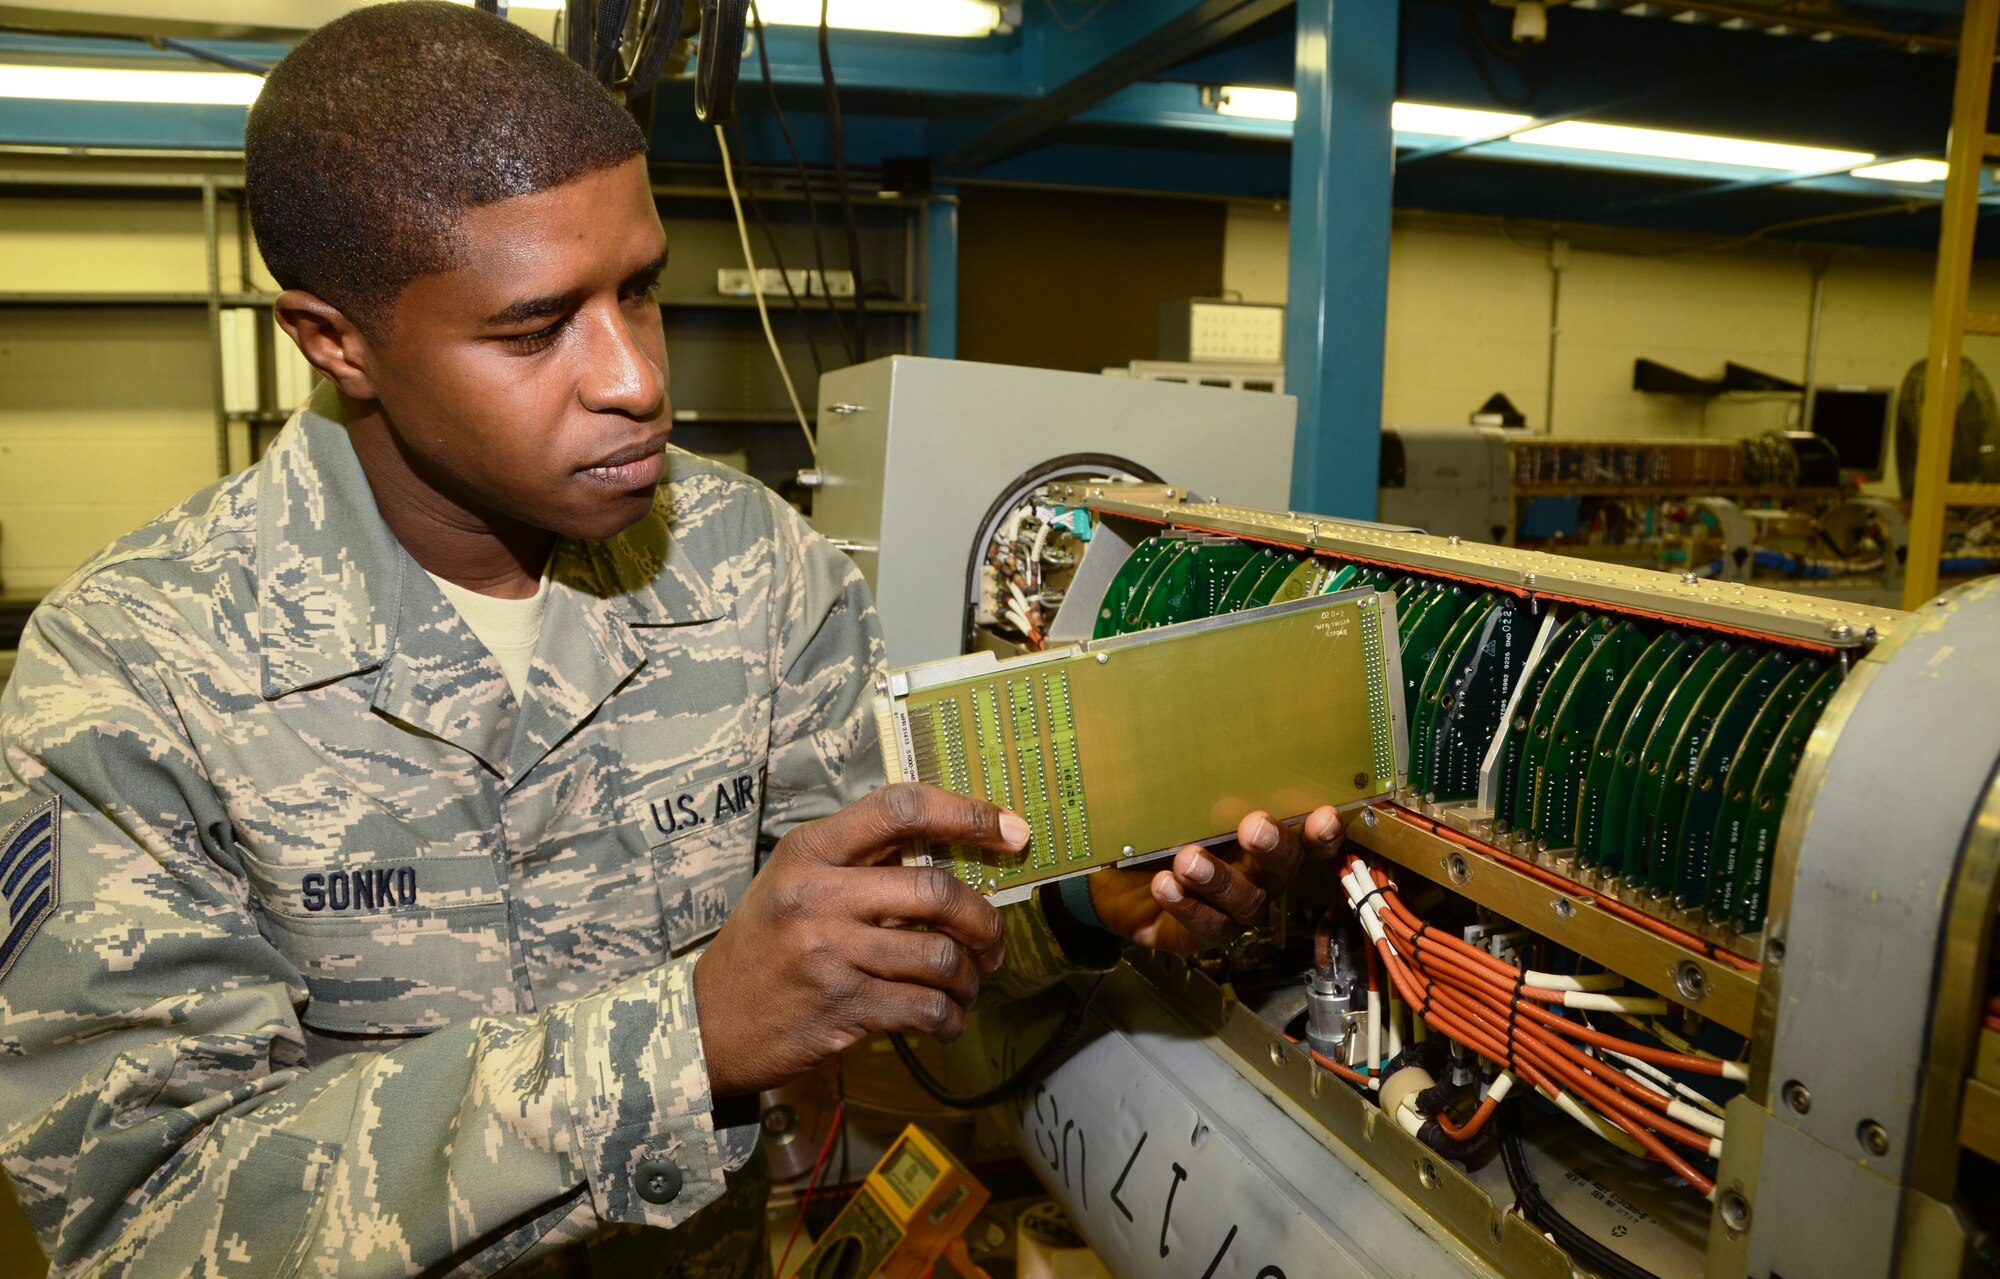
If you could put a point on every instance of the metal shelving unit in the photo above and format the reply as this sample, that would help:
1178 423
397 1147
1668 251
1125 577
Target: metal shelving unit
732 402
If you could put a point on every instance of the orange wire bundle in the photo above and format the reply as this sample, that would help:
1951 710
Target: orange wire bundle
1500 1012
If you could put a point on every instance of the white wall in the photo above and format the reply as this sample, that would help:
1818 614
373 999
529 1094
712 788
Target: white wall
1469 314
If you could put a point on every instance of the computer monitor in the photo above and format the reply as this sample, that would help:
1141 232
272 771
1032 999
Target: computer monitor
1855 421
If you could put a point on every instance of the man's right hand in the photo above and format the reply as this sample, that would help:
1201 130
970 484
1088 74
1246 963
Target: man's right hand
823 950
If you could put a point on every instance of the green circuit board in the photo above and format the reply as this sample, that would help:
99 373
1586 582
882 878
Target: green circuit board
1132 746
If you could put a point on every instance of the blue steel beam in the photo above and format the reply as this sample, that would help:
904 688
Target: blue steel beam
1338 293
941 276
1125 44
992 66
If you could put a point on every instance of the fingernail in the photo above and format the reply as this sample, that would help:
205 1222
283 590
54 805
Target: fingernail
1197 868
1166 889
1014 830
1265 837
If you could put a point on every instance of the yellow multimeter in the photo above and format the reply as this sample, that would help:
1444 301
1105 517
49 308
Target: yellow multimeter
913 1204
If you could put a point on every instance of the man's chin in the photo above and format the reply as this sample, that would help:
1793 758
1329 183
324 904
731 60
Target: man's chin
601 516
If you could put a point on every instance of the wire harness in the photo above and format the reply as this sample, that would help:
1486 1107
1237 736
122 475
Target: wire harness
1515 1018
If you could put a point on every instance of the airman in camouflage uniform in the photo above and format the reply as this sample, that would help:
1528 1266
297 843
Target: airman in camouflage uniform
354 965
324 948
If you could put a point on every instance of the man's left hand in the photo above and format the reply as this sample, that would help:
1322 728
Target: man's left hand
1207 896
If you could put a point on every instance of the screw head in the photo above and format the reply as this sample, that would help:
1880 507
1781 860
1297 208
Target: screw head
1874 1138
1127 851
1839 630
1529 579
1689 579
1368 817
1798 1099
1103 658
1427 1173
1453 540
1735 1210
1690 981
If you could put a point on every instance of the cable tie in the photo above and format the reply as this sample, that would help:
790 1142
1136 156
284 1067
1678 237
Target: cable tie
1514 1014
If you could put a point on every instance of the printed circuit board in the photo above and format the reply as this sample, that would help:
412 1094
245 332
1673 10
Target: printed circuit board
1130 746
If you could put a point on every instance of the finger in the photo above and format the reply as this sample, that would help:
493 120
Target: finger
1323 833
882 1006
927 897
1235 892
1271 851
876 827
920 959
1206 926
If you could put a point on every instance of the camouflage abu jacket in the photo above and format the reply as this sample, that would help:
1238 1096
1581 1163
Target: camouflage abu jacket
319 954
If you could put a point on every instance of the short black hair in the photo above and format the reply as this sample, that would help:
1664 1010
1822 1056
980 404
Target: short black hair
372 139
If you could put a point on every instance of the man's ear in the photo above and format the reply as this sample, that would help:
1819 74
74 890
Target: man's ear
330 341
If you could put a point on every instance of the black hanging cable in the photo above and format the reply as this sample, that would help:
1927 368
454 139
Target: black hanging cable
662 32
610 32
840 182
1032 1071
216 56
580 32
805 185
1543 1216
777 254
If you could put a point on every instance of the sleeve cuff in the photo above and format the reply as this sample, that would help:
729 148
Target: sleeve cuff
1072 918
639 1101
1045 944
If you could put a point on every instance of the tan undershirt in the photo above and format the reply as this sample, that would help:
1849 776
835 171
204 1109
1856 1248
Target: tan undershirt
510 629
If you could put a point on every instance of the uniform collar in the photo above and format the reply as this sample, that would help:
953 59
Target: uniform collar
339 595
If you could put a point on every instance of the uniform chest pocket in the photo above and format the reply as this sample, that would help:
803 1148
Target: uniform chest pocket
392 947
701 827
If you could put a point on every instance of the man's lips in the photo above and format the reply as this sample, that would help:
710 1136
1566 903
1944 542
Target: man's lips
629 468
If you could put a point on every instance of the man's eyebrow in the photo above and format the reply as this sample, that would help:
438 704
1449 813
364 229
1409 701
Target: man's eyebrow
532 309
554 304
647 274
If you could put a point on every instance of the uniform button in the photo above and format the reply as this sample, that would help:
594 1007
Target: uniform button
659 1180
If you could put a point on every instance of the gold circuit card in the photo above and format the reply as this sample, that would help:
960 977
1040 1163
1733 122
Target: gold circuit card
1119 750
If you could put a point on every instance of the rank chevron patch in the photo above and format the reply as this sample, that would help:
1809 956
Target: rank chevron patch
30 882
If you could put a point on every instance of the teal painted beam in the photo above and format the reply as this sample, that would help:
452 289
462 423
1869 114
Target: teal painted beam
941 276
1337 306
39 122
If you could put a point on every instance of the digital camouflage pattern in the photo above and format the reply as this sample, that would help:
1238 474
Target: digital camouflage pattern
361 967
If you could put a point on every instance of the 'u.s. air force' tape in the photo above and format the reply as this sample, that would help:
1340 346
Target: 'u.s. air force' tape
30 883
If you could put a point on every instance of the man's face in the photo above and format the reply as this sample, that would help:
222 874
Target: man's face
529 381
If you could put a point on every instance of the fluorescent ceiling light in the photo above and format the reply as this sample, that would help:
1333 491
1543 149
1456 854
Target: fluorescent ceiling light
909 17
1615 139
119 84
1906 171
1453 122
1247 103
